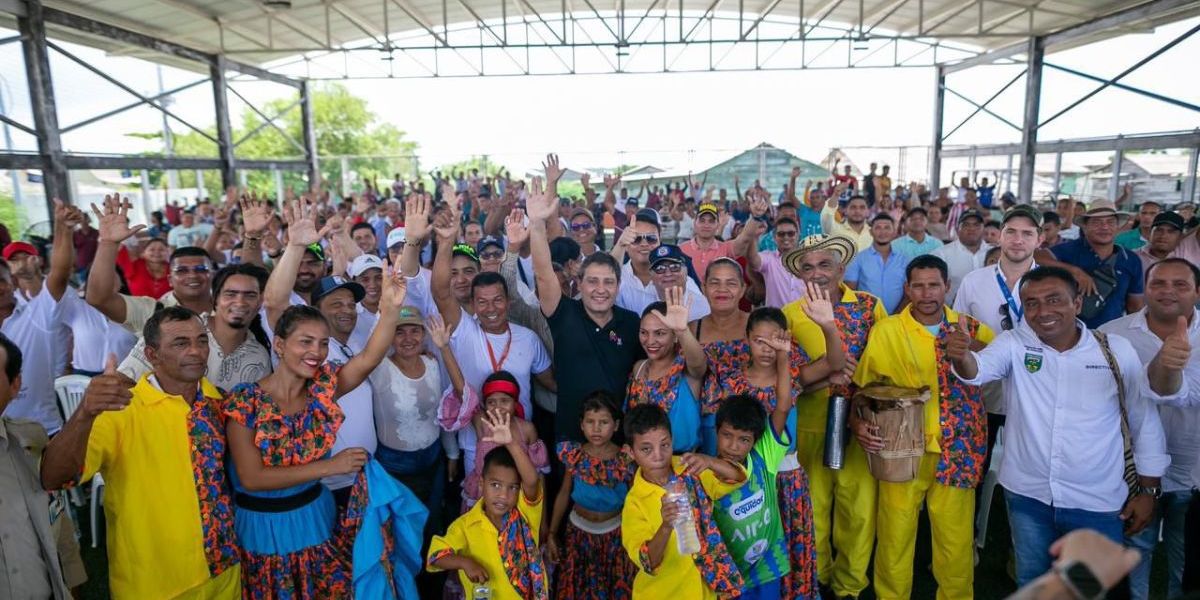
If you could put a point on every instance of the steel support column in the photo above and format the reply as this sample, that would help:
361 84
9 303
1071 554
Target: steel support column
224 130
1029 133
41 100
1114 184
1189 178
309 132
935 157
1057 173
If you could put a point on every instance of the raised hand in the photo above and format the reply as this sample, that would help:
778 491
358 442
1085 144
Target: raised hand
540 204
416 217
816 304
585 179
958 342
759 206
114 219
676 318
445 227
301 218
695 463
626 238
552 170
795 173
395 289
256 215
438 332
1176 349
515 229
499 427
108 391
612 181
780 343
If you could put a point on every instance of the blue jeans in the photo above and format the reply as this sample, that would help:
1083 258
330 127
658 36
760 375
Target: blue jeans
1035 526
1170 514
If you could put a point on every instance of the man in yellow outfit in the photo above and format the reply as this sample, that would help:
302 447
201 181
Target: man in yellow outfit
910 350
850 491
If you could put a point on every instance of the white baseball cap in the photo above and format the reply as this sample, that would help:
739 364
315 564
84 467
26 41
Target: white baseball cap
362 263
396 236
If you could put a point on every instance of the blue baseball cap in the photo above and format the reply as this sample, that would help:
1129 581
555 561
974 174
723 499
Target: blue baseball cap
667 253
329 285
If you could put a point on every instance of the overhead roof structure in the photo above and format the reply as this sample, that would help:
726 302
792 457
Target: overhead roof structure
295 41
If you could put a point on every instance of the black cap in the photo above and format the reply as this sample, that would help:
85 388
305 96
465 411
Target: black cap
1169 218
917 209
971 213
883 216
1024 210
329 285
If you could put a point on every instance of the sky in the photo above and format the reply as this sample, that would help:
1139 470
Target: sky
676 121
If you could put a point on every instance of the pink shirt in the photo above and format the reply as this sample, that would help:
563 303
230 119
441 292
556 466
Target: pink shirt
1188 249
702 257
782 286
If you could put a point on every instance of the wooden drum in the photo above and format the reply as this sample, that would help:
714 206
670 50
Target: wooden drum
899 413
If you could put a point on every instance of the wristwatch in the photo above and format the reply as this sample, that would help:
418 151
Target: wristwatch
1080 580
1154 491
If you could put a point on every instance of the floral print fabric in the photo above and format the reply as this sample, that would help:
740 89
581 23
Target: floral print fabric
961 415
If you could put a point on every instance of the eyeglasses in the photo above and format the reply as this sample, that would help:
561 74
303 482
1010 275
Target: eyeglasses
493 255
586 225
784 234
645 239
663 268
198 270
1006 322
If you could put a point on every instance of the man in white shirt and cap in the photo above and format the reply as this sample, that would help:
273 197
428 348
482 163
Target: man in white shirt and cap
966 253
1081 420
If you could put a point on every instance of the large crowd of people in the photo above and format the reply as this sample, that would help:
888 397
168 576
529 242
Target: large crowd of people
484 388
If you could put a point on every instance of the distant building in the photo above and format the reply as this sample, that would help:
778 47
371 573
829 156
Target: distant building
1158 177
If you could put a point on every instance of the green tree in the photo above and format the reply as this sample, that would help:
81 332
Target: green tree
343 124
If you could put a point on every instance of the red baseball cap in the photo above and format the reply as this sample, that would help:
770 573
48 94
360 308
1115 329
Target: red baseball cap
15 247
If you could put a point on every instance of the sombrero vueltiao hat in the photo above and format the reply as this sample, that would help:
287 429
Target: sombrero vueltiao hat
837 244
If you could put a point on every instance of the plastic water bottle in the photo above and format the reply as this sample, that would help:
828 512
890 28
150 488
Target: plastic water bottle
687 540
481 592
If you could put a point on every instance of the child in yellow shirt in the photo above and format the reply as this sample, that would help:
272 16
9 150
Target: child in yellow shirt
647 519
495 543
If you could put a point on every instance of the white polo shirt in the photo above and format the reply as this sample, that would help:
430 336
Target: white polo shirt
1180 424
635 296
1062 439
358 430
34 326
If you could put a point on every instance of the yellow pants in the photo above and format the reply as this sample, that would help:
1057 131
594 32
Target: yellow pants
226 586
951 511
843 504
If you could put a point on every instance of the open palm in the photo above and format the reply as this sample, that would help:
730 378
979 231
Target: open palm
816 304
114 219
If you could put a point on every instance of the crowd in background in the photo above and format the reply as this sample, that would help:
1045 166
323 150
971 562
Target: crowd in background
483 388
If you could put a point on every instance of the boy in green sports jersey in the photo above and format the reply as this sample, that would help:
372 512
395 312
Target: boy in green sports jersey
749 516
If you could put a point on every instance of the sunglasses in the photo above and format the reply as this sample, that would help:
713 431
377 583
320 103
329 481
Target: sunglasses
785 234
645 239
492 255
582 226
1006 322
198 270
664 268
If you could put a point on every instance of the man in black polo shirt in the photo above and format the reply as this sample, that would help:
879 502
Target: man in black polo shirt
595 342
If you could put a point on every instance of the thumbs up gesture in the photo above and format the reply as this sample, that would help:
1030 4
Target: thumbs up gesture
958 342
1176 349
107 391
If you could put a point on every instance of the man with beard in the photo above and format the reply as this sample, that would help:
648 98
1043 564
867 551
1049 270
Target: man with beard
337 299
363 235
1172 290
966 253
909 350
486 342
854 226
1165 233
31 308
843 500
879 269
160 445
595 341
236 352
988 295
642 285
1071 424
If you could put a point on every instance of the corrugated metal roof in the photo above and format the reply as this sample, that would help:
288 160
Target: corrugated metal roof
254 33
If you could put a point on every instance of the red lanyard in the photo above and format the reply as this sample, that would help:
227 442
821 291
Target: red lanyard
492 354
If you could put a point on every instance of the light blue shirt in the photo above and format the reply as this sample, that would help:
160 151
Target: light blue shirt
885 279
912 248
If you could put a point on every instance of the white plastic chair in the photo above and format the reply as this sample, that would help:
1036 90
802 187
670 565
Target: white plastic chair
69 389
990 480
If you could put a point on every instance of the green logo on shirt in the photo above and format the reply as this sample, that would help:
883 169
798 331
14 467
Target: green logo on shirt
1033 362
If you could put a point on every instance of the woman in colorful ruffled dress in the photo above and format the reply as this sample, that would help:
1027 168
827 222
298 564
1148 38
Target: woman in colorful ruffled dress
670 376
280 432
755 374
592 564
722 334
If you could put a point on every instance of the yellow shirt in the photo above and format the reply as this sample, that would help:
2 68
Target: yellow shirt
901 353
811 406
835 224
473 535
677 576
156 542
